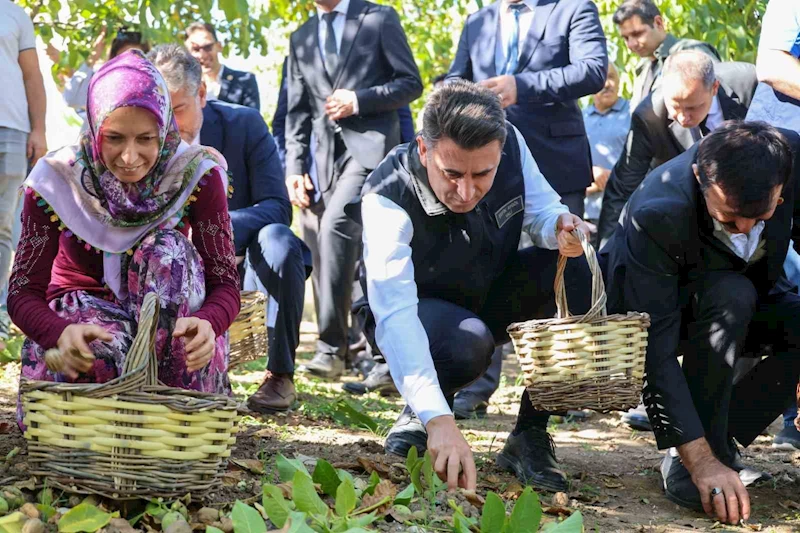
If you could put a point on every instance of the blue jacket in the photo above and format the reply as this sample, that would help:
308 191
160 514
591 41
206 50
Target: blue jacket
259 191
563 58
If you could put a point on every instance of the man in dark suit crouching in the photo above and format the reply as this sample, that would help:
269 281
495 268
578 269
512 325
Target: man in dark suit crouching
700 247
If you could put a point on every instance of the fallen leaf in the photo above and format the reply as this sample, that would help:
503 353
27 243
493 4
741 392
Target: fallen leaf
400 513
557 511
385 491
751 527
253 466
493 479
371 466
347 466
513 490
474 498
286 489
611 484
560 499
29 484
789 504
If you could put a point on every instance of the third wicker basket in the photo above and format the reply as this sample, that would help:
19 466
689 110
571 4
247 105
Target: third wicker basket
592 361
248 333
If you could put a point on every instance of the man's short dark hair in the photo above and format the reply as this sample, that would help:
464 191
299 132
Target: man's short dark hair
200 26
644 9
747 160
465 112
127 38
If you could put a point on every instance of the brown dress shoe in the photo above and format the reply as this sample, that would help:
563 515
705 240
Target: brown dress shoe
276 394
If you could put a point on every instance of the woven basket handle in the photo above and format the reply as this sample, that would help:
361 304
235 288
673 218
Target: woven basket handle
142 354
598 308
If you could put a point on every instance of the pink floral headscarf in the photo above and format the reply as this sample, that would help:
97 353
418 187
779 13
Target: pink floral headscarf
89 201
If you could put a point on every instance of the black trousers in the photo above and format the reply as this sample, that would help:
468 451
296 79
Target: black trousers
574 201
462 342
726 320
335 243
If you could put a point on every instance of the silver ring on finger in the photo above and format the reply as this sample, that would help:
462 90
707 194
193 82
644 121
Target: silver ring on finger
716 491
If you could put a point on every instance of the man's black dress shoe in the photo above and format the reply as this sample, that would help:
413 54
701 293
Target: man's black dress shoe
531 455
408 431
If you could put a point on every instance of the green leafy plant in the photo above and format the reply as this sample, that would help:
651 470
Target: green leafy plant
84 518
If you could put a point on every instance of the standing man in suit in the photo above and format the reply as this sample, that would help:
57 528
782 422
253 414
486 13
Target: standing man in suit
641 25
701 248
222 83
275 260
350 69
539 57
695 97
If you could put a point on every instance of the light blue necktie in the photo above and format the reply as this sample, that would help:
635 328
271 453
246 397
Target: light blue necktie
512 51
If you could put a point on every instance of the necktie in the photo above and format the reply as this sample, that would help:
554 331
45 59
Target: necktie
704 129
512 50
331 55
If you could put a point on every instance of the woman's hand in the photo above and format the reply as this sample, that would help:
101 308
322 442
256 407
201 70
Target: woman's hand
199 341
74 355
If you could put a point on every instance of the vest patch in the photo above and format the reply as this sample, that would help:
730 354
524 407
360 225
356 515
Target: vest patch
511 208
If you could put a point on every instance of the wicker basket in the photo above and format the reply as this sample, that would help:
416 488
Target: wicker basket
248 333
131 437
593 361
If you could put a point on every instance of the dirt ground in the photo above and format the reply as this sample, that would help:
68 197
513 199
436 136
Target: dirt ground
613 470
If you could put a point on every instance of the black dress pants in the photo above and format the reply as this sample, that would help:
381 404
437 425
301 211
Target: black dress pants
335 242
726 320
462 341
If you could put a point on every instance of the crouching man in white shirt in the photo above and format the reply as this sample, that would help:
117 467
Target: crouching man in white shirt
443 278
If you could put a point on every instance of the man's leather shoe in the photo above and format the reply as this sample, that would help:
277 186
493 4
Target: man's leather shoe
467 406
787 439
748 475
678 485
408 431
276 394
378 380
531 455
325 365
637 419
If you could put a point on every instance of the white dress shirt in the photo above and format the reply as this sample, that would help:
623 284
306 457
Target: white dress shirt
505 30
392 291
714 118
213 86
747 246
338 31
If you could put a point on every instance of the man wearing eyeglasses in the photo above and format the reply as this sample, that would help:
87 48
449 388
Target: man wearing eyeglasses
222 83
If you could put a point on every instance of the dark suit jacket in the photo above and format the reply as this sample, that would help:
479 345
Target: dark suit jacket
564 58
407 130
237 87
664 243
259 191
654 138
375 61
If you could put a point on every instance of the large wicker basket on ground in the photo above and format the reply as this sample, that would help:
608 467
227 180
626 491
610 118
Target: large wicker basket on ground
131 437
248 333
592 361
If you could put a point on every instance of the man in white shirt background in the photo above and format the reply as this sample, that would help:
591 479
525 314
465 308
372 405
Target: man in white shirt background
443 275
22 126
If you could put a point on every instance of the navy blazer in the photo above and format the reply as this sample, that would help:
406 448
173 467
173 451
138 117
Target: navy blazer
259 192
564 58
239 87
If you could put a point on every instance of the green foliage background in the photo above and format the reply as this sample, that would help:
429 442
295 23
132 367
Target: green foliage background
432 26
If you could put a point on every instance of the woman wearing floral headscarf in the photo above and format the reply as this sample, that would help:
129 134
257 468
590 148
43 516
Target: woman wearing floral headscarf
106 222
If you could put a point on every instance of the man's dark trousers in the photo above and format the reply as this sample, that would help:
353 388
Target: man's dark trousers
462 342
335 242
726 318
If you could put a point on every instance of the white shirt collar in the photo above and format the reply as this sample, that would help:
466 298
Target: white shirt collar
715 117
744 245
341 7
530 3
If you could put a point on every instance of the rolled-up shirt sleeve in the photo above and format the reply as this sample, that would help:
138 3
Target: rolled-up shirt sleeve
393 300
542 204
